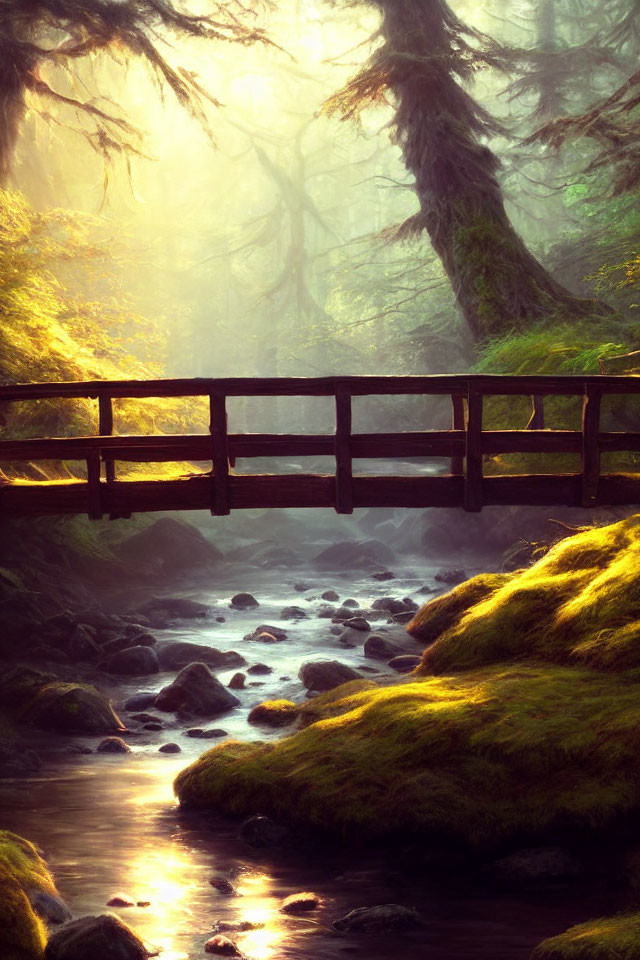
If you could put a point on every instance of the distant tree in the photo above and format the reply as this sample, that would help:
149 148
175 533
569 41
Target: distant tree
426 56
35 34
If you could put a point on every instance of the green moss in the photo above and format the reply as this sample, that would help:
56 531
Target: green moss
444 612
71 708
274 713
580 603
609 938
22 870
482 757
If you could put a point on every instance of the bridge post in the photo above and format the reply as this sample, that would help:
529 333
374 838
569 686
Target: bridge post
344 463
93 486
590 446
536 421
105 429
458 405
473 473
219 454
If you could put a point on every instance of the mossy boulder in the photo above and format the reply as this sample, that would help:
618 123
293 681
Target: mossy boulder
96 938
608 938
579 604
23 873
71 708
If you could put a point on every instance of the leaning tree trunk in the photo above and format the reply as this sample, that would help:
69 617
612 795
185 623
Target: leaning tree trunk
16 66
498 283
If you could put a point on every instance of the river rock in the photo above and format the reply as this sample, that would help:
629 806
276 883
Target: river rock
358 623
390 604
223 886
196 691
121 900
259 832
383 575
82 643
51 909
350 554
377 647
260 669
237 681
244 601
161 610
326 611
170 546
301 586
222 946
175 654
388 916
134 662
113 745
139 701
349 638
292 613
72 708
321 675
236 926
404 663
331 596
299 903
451 577
153 726
350 602
201 734
169 748
266 633
95 938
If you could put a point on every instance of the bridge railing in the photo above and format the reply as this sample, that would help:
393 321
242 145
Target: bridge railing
465 445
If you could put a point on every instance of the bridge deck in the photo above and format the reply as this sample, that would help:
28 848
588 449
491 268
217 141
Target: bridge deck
219 489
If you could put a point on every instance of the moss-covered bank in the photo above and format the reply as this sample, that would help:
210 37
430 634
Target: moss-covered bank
22 873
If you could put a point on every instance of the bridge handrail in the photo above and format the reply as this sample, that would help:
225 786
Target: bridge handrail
465 444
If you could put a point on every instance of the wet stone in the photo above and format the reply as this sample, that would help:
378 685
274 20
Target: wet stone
113 745
223 886
236 926
221 946
292 613
383 575
221 619
260 669
405 663
358 623
350 602
451 577
299 903
199 734
331 596
95 938
388 916
169 748
244 601
237 681
154 726
139 701
266 633
121 900
301 586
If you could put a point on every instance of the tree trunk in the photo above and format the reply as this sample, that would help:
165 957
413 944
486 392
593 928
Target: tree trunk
498 283
16 65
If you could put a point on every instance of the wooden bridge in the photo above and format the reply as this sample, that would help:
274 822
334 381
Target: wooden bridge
222 489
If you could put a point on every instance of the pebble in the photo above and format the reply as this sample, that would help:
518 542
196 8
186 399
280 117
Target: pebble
259 669
331 596
237 681
201 734
152 726
143 903
169 748
236 926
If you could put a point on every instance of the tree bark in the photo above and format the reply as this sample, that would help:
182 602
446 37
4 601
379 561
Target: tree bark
498 283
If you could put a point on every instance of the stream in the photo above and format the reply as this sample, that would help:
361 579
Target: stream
109 824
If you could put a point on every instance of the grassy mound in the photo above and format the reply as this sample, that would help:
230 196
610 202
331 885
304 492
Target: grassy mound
22 871
609 938
579 604
274 713
492 754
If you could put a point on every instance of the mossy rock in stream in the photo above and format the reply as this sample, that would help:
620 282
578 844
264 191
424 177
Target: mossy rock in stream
274 713
532 732
71 708
579 604
23 872
608 938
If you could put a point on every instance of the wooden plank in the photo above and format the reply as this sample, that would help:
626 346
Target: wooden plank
437 384
473 457
344 464
590 445
619 441
536 421
531 441
458 418
93 487
219 455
